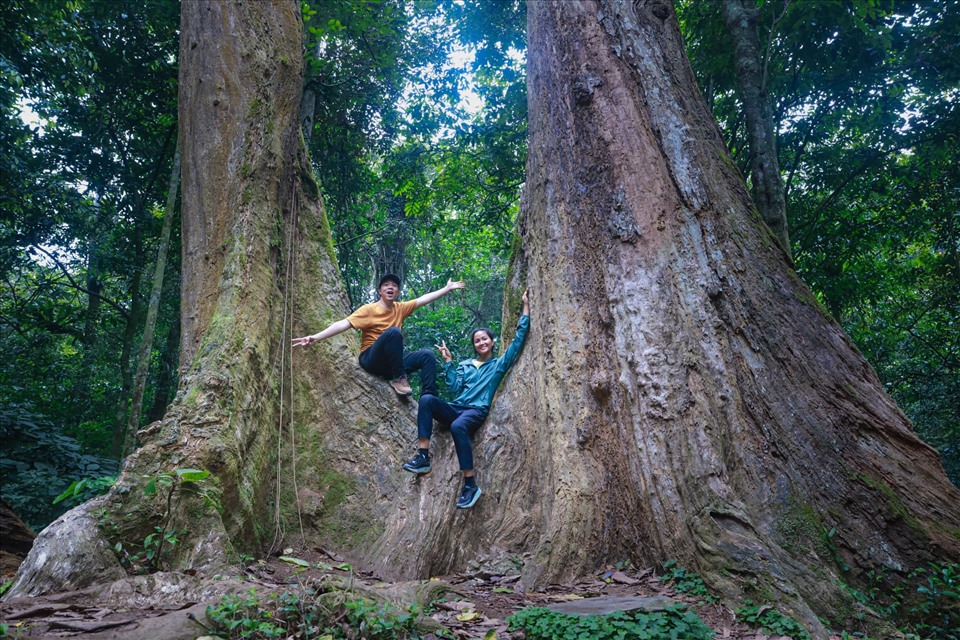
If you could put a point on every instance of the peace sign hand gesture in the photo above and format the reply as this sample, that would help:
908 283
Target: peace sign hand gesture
444 351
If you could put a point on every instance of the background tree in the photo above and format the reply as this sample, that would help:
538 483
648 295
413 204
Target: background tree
256 253
751 71
79 218
861 96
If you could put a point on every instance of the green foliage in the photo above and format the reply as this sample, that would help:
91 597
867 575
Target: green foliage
37 462
831 548
89 120
685 581
935 611
153 544
539 623
771 621
926 604
244 617
85 488
190 480
166 485
302 613
380 621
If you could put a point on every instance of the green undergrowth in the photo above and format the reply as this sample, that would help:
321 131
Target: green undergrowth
926 605
770 621
676 621
928 608
686 581
310 613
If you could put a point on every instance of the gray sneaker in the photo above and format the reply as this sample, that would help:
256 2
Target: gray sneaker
401 386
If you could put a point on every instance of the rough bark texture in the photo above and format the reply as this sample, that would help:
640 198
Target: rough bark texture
689 397
768 192
327 472
682 394
15 540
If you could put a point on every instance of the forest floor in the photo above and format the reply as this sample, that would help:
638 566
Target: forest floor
167 606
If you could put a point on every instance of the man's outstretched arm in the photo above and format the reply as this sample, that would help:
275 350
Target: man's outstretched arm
334 329
427 298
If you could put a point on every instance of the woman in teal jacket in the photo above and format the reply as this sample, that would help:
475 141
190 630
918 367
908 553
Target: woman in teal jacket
473 383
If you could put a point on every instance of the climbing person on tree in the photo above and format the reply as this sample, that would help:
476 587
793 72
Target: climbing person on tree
381 342
473 383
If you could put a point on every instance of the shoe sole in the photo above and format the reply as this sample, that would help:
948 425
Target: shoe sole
417 470
476 496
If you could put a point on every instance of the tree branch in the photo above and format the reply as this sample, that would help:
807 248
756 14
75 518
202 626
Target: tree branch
78 286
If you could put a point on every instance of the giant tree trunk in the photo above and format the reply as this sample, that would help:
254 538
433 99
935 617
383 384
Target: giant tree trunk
682 394
248 194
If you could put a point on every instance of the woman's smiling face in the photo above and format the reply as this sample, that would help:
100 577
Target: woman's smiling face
482 344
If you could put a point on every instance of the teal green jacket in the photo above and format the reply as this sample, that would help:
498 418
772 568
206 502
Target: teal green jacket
473 386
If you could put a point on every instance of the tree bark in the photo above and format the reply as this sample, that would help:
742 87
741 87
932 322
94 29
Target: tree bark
257 252
681 394
740 17
16 538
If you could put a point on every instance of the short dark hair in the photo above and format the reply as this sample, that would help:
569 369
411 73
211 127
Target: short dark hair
389 277
477 330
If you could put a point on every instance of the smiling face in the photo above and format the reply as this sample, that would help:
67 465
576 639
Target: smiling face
389 290
482 343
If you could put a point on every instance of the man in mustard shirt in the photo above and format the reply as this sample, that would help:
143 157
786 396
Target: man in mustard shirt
381 342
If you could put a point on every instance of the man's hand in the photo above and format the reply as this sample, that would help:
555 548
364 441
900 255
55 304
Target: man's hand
427 298
305 341
334 329
444 351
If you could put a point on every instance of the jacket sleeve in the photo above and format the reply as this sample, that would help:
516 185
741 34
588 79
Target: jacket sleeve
513 351
454 378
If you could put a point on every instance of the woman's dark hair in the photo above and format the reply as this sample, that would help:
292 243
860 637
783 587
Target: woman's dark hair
485 330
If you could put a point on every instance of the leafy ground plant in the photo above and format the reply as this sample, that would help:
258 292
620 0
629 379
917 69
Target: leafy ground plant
38 462
936 611
539 623
925 605
84 489
173 483
771 621
301 614
685 581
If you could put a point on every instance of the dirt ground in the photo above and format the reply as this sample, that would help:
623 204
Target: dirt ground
172 606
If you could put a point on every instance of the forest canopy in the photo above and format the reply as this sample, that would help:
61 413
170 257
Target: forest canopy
415 119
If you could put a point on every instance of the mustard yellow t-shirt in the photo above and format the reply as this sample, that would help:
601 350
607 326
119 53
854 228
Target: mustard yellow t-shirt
372 320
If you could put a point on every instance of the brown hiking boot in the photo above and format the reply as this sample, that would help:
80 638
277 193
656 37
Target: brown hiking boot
401 386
